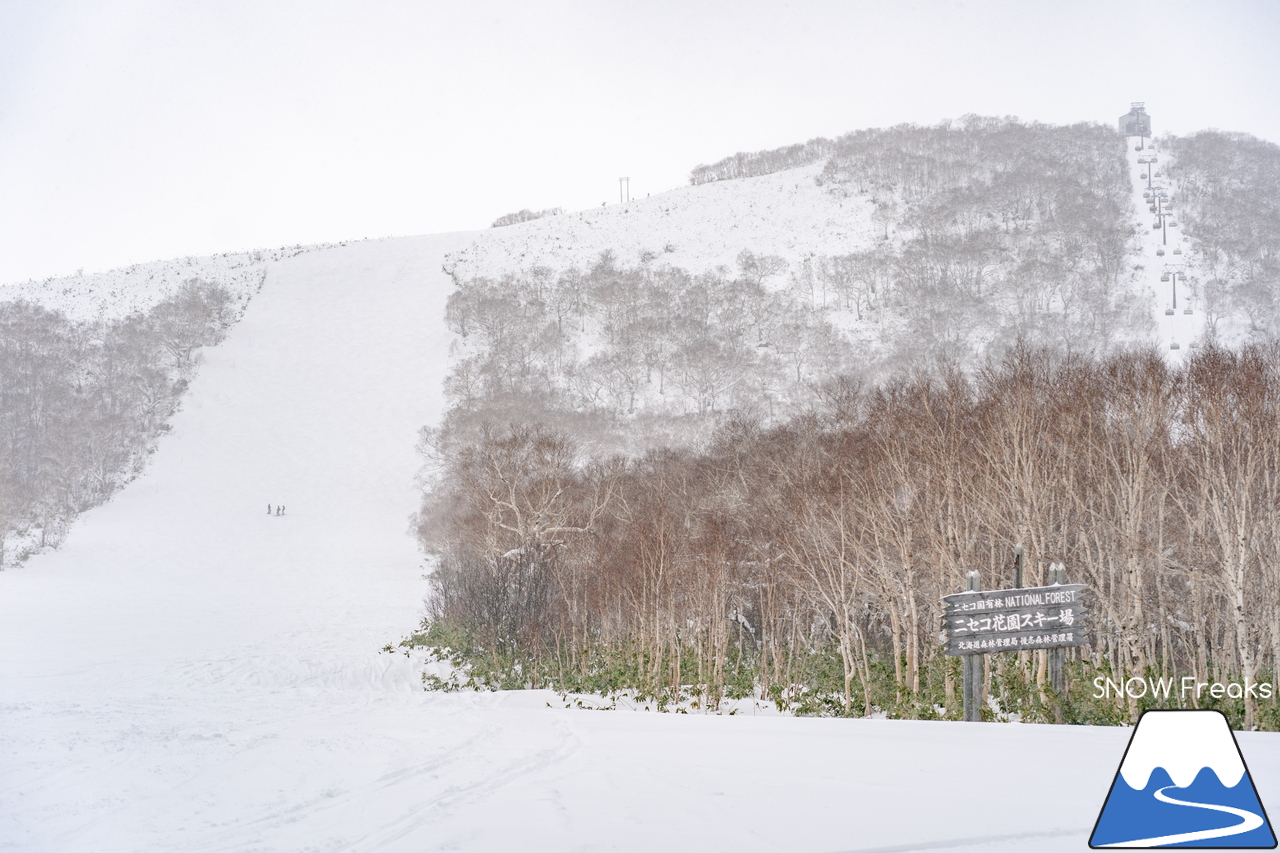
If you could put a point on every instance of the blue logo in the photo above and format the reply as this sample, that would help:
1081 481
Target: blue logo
1183 783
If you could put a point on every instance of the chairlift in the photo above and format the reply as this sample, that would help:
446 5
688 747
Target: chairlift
1193 345
1168 312
1160 252
1173 223
1137 148
1155 226
1177 251
1164 277
1186 310
1174 345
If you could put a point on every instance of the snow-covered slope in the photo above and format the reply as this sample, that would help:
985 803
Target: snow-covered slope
697 228
189 673
117 293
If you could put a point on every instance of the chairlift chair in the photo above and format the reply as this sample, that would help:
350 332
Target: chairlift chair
1193 345
1160 252
1186 310
1168 312
1174 345
1177 251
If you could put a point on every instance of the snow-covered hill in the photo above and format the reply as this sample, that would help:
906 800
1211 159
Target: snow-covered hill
697 228
919 244
191 673
135 289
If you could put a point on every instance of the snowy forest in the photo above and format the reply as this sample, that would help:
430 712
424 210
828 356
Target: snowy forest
759 481
82 403
1230 208
738 564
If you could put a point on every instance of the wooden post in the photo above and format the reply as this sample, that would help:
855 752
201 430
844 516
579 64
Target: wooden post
1057 657
973 667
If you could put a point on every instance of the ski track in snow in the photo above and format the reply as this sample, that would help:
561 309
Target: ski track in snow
189 674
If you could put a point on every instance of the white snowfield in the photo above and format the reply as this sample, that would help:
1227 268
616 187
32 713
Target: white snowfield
694 227
189 673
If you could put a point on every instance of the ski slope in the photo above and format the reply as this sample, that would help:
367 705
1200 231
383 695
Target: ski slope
697 228
189 673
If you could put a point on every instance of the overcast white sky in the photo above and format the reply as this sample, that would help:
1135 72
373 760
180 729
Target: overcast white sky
135 130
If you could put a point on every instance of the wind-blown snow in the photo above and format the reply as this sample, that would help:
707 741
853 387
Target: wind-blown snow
189 673
1183 743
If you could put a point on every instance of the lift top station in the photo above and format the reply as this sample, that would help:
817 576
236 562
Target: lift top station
1136 122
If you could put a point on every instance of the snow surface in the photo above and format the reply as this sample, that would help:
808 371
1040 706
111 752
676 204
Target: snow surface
188 673
1183 743
117 293
696 228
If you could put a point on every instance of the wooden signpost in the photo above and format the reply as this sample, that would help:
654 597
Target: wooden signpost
978 622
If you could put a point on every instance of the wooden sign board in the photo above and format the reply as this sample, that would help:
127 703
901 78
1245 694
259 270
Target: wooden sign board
1010 620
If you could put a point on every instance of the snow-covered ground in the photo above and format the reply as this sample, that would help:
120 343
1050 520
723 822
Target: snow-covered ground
695 228
189 673
117 293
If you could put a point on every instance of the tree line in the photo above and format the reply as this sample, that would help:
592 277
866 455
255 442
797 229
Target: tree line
524 215
1228 204
81 404
989 229
630 348
642 354
805 561
752 164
